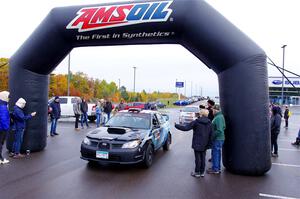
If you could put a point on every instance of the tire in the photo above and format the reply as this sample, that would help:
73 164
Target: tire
149 156
166 146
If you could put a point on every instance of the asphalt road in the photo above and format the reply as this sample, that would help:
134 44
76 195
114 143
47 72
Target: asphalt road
58 172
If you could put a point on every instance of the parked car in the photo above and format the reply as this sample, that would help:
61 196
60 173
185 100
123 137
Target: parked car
131 136
160 105
140 105
188 114
66 105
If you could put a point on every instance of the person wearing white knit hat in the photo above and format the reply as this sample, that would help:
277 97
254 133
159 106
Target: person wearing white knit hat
4 122
19 122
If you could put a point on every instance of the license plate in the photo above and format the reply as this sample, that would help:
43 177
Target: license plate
102 154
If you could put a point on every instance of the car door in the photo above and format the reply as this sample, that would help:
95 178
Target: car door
156 131
163 128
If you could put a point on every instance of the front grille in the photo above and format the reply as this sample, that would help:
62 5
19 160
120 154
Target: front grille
94 143
104 146
117 146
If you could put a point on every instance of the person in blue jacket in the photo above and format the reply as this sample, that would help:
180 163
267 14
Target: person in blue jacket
19 125
54 115
4 122
98 114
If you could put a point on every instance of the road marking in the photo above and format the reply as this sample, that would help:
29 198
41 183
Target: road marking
286 165
276 196
285 149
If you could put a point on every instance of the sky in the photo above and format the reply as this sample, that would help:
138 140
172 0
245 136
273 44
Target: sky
269 23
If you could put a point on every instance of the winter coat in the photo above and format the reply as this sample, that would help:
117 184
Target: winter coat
19 118
219 126
210 114
56 111
202 133
84 107
275 123
121 107
76 109
4 116
98 110
108 107
286 114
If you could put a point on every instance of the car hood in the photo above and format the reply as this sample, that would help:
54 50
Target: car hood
117 133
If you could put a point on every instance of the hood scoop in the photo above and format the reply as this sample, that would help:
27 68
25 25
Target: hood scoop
116 130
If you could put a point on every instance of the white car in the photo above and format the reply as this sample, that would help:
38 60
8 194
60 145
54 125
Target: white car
188 114
66 106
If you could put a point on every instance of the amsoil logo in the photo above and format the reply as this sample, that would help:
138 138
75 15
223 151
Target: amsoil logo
94 18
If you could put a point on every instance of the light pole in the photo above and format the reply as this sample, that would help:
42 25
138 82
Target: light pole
69 71
282 87
119 83
134 68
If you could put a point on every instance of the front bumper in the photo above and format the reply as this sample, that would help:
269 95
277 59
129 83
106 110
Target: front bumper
120 156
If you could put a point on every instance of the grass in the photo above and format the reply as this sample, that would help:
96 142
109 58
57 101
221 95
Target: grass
171 101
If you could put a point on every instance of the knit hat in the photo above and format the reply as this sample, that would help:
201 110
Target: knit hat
56 97
4 96
211 102
21 103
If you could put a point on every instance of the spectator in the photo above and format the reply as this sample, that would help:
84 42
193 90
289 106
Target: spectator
121 106
4 122
84 109
210 104
219 126
202 134
275 130
297 142
108 108
103 115
77 112
54 115
19 122
98 114
287 114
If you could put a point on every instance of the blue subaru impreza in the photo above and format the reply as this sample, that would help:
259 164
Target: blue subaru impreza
127 138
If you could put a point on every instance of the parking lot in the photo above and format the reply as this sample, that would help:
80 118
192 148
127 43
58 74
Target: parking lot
58 172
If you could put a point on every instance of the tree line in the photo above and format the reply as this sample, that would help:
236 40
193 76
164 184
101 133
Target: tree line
84 86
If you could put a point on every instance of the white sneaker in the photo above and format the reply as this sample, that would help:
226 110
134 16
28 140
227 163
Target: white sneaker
5 161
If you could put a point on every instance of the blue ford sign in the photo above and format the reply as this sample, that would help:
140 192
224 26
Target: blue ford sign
277 82
179 84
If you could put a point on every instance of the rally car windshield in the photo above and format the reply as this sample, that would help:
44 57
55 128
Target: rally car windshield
130 120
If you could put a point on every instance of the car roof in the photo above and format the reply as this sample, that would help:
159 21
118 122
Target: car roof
141 111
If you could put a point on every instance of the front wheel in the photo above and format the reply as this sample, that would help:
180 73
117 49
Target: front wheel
149 156
166 146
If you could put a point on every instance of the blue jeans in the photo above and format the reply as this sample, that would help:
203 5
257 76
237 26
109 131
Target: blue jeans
53 126
84 119
216 155
18 140
108 116
98 121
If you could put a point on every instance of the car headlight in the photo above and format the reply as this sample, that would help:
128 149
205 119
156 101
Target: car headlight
131 145
87 141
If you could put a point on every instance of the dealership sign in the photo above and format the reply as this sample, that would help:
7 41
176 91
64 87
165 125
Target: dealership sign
179 84
277 82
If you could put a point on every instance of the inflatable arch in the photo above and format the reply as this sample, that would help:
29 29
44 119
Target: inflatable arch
239 63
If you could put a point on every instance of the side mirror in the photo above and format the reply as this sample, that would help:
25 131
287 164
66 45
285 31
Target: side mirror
167 118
